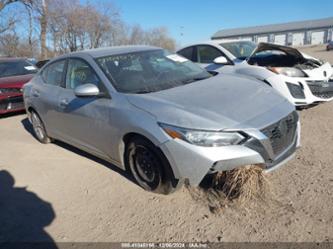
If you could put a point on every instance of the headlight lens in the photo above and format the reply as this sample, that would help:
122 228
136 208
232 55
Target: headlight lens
204 138
288 71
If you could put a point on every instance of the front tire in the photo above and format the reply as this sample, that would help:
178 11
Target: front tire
39 128
150 170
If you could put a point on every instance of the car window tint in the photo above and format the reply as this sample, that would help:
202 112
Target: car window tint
187 53
207 54
80 73
52 74
14 68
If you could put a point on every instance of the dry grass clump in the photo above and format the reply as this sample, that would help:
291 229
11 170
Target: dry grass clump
239 185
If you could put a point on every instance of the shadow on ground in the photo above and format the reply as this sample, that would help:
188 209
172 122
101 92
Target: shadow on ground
28 127
23 215
12 114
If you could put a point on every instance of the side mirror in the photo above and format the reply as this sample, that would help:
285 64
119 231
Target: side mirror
221 60
40 64
86 90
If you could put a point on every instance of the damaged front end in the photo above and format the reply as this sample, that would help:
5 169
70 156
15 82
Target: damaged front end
308 79
272 55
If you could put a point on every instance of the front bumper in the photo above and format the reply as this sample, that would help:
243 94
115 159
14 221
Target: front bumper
11 103
306 91
321 89
303 92
195 162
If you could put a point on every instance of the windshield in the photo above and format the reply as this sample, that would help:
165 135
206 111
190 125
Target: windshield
241 50
149 71
15 68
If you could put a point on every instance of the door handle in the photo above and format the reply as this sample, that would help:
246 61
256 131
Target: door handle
63 103
35 93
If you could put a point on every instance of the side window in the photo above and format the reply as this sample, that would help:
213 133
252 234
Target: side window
207 54
52 74
187 53
80 73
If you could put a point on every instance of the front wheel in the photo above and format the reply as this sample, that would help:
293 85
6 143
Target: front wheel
147 166
39 128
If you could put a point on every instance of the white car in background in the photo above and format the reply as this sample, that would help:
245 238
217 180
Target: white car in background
302 79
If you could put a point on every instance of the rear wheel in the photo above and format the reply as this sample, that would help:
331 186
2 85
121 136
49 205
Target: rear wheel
39 128
148 167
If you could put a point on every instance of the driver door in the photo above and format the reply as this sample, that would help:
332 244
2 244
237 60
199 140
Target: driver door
84 120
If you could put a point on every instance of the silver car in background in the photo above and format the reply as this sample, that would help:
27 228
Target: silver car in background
159 115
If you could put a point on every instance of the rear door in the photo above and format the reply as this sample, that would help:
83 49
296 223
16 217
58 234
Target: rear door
45 94
85 121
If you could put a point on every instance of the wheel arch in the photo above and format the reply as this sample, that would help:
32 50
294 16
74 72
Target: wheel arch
131 135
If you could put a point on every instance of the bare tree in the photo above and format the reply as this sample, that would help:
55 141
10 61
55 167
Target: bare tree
9 44
43 29
9 22
76 32
160 37
73 25
4 3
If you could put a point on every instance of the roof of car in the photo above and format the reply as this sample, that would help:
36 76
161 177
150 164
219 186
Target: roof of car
5 59
210 42
100 52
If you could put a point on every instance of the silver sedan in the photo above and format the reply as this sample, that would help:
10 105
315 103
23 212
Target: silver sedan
160 116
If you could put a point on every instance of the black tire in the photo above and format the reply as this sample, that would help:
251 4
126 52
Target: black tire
149 167
39 129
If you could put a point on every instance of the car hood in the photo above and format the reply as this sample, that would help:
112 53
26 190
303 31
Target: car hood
220 102
288 50
15 81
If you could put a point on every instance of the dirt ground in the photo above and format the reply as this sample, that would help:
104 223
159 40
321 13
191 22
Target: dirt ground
64 195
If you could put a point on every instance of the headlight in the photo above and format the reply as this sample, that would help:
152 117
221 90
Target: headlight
204 138
288 71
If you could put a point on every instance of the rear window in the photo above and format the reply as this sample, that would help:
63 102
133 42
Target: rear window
187 53
15 68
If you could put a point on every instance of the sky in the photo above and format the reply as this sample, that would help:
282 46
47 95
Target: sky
197 20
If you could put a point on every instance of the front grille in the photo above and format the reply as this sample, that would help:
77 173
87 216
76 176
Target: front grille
10 90
3 106
321 89
282 133
296 91
12 103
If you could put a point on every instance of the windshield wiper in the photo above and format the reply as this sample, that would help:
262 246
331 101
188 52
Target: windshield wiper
143 92
187 81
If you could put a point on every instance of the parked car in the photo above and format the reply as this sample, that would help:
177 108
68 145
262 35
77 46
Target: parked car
160 115
302 79
14 73
329 46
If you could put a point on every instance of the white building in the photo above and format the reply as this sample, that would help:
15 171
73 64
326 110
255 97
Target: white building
293 33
